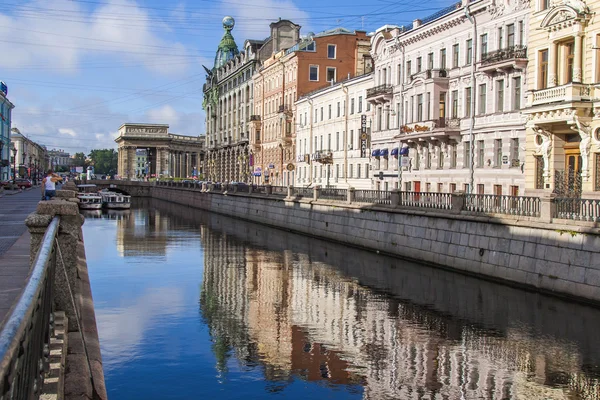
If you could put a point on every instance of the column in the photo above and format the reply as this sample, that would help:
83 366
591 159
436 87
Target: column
577 72
130 167
552 53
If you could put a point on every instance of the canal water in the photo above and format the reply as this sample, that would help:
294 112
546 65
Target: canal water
192 305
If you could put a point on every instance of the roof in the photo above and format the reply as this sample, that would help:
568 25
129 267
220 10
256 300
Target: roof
336 31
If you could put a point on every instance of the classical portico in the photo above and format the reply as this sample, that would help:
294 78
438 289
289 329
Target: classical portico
168 154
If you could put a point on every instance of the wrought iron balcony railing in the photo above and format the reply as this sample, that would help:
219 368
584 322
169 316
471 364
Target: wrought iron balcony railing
507 54
378 90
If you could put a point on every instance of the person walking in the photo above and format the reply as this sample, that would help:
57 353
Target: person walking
49 185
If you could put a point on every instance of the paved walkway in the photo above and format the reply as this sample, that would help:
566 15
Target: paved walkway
14 244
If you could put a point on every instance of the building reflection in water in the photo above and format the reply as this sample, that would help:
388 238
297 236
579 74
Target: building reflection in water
305 308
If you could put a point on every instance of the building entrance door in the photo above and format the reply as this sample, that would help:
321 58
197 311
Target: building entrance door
567 183
417 186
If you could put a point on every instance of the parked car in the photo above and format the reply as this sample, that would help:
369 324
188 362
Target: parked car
23 183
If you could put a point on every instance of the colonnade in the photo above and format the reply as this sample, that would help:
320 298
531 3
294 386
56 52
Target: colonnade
164 162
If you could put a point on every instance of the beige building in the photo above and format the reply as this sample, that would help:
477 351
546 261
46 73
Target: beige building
447 94
563 121
31 158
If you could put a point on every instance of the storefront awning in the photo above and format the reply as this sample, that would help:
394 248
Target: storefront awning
375 153
383 152
394 151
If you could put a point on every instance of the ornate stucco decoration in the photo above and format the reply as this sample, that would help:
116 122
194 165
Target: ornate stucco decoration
585 133
543 147
565 13
499 8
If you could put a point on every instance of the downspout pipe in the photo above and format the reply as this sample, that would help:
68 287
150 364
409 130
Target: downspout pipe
310 142
472 20
401 109
345 90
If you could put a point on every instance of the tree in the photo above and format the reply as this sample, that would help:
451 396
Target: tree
104 161
79 159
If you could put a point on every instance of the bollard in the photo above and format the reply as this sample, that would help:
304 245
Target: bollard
316 193
547 207
458 202
350 193
395 197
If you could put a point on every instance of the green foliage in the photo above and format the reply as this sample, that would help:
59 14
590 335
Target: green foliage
572 233
104 161
79 160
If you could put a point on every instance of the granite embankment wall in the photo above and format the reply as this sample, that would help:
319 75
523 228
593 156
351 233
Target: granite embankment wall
562 260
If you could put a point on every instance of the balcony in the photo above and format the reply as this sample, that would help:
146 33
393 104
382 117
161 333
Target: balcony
255 118
513 57
430 74
285 109
323 157
571 92
438 129
380 94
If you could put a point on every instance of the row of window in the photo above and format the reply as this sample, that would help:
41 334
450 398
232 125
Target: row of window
336 171
338 145
506 37
356 107
425 160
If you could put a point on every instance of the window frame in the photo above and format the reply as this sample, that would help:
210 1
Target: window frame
327 70
334 47
310 67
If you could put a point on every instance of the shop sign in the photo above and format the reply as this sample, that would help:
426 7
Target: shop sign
416 128
271 166
363 135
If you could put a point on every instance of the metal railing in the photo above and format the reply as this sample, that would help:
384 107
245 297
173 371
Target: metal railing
577 209
303 192
442 201
279 190
500 204
333 194
381 89
509 53
25 337
372 196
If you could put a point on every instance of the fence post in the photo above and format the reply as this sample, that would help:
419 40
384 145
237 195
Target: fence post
350 195
268 189
290 191
547 207
395 197
316 192
250 189
235 188
458 201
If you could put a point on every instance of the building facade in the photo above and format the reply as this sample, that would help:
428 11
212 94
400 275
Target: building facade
141 165
447 98
31 158
563 117
59 159
167 155
310 64
332 140
5 131
228 103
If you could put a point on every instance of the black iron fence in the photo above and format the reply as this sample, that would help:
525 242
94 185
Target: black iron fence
578 209
500 204
572 208
25 337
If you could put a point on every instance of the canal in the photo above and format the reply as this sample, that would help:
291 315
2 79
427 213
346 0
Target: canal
194 305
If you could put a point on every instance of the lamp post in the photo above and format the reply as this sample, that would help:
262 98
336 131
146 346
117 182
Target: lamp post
23 164
14 151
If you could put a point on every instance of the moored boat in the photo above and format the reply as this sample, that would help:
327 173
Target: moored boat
114 200
88 198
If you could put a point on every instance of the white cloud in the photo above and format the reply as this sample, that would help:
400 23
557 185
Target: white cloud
37 36
66 131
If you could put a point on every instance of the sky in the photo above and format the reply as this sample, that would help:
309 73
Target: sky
76 70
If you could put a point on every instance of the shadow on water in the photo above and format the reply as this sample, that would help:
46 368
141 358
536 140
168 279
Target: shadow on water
320 311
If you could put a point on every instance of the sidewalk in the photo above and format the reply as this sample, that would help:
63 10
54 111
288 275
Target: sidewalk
14 244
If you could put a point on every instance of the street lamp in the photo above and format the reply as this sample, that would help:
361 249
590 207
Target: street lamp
14 151
23 163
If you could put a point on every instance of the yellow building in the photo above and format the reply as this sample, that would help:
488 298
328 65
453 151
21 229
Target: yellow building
563 122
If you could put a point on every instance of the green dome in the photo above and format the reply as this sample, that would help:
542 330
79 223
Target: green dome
227 49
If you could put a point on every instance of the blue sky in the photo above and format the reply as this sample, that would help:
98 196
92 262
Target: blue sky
78 69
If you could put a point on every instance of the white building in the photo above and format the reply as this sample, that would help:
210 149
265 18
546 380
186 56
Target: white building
429 97
332 140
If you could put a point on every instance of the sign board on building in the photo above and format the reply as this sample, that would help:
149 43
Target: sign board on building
4 88
404 162
271 166
363 135
505 160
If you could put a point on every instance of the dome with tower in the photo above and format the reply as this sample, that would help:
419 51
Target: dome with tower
227 49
